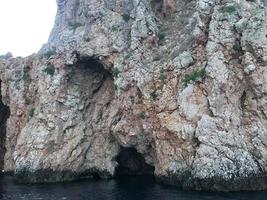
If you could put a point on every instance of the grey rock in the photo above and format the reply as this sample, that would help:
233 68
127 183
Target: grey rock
112 77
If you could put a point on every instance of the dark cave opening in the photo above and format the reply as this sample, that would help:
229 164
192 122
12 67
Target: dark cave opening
89 66
130 162
4 114
91 63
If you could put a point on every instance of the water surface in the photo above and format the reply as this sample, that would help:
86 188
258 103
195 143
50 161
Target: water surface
123 188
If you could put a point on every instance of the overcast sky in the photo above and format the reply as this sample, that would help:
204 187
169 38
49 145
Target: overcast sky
25 25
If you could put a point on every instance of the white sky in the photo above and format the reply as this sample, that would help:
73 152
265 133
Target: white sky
25 25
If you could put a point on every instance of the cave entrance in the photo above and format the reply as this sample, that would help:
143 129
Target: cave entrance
4 114
130 162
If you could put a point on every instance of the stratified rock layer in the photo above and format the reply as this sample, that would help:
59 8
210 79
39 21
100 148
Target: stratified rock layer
183 83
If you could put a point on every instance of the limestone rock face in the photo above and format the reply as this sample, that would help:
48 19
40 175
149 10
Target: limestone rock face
183 83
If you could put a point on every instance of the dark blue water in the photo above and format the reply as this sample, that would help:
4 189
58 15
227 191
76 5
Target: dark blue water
124 188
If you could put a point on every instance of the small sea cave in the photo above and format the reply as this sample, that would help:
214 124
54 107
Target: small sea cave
90 74
132 163
92 64
4 114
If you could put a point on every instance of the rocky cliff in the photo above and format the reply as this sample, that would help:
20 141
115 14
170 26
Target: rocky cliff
174 88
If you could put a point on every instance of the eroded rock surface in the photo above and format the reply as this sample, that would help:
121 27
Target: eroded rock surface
181 82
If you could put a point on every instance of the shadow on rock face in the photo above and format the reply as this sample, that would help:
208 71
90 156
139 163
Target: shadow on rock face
4 114
130 162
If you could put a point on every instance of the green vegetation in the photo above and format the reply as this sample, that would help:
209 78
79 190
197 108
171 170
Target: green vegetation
228 9
194 76
131 99
115 72
126 17
161 36
26 76
142 115
50 70
114 29
237 46
48 54
74 25
128 56
153 95
31 112
115 86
